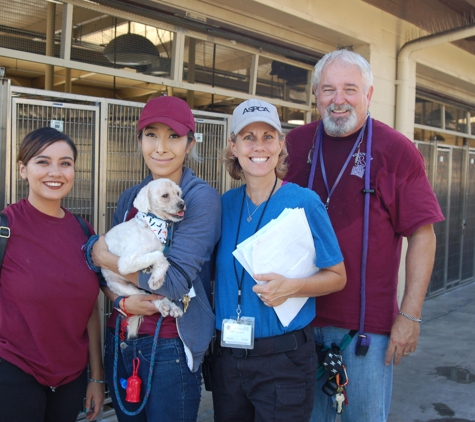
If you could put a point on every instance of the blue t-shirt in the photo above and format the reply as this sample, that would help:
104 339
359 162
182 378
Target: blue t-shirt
328 252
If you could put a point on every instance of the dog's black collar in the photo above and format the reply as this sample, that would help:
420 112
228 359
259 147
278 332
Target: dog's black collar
151 214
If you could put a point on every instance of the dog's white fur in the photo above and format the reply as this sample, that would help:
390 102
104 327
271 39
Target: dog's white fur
139 248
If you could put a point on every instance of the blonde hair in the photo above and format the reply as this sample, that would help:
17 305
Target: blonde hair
235 170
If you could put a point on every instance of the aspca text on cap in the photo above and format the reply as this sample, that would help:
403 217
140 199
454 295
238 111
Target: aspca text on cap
255 108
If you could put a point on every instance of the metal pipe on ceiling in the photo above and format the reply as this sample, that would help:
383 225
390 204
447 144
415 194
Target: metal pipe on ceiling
50 24
406 73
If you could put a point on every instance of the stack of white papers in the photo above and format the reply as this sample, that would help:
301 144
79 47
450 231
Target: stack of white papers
283 246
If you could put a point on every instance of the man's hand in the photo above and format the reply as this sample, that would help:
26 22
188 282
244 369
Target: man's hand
419 263
403 339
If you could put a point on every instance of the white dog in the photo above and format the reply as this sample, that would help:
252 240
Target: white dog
139 243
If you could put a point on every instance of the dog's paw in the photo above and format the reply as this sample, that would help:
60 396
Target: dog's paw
163 306
155 283
158 275
167 307
175 311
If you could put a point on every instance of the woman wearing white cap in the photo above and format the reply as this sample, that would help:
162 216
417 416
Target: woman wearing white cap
171 377
266 372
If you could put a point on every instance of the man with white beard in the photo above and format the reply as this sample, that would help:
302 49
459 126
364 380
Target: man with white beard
372 203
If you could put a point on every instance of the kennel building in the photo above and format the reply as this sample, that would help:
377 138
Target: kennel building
109 162
87 67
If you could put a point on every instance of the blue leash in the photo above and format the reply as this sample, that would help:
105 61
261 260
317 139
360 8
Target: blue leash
150 372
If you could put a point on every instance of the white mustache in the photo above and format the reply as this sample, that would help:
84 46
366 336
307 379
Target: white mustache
343 107
336 125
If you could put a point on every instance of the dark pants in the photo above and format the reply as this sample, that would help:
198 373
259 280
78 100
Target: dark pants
23 399
264 385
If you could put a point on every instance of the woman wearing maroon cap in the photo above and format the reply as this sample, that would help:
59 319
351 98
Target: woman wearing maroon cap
172 392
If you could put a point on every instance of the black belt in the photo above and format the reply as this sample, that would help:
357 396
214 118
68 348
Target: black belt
270 345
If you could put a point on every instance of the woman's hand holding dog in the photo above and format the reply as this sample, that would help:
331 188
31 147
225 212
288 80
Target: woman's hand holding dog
142 304
101 257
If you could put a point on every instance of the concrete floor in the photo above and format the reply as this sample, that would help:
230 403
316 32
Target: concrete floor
437 382
205 413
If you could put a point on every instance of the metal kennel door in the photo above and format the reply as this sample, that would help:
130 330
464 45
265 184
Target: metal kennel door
78 121
81 123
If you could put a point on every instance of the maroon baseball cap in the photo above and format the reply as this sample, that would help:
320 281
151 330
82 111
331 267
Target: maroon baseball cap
171 111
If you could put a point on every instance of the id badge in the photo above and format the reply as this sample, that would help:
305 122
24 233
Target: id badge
238 333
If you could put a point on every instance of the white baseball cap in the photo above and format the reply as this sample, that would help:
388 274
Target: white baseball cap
252 111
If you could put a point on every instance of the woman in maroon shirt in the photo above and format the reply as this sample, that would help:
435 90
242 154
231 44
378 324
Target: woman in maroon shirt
49 314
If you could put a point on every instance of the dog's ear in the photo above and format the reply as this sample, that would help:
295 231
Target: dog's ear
141 201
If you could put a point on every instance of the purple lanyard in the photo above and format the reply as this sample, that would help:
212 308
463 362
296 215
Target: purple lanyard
318 151
367 191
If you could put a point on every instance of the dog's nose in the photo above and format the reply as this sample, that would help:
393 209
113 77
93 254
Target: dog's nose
181 205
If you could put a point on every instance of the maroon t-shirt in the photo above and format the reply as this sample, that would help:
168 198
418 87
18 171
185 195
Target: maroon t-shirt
47 294
168 328
403 201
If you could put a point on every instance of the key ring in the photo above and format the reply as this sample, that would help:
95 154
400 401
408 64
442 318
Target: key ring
338 378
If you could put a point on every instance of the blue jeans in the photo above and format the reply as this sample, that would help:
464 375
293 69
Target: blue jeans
370 380
175 390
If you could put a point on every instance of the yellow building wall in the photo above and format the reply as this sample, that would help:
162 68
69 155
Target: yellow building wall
322 26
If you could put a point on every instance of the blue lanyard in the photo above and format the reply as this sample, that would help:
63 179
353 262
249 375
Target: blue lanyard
318 151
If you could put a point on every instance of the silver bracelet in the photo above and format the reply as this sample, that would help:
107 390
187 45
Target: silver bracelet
410 317
98 381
